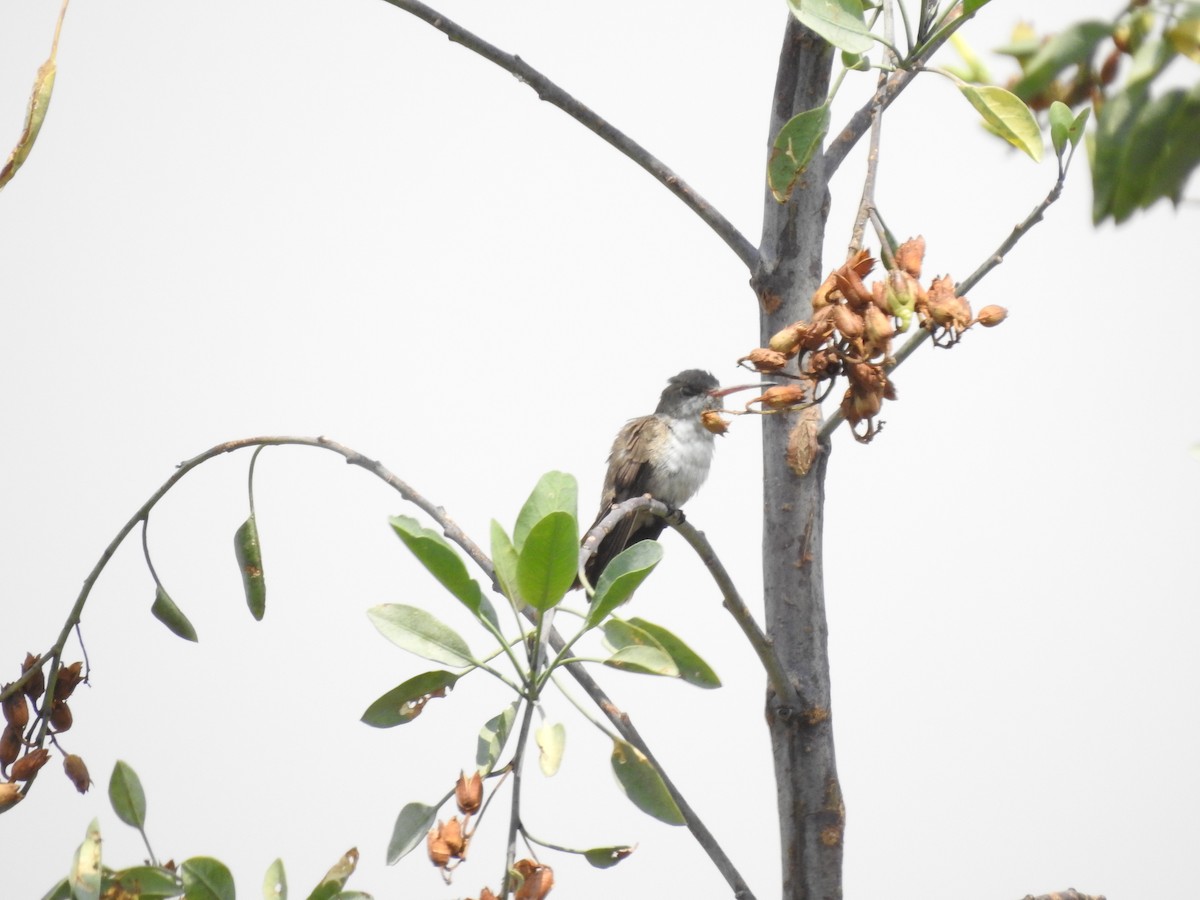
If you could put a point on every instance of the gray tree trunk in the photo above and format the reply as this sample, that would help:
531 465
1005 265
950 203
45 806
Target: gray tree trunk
809 795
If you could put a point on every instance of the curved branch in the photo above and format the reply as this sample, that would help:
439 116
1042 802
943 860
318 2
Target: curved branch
550 92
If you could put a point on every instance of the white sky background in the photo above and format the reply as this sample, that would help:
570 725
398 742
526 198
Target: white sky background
322 218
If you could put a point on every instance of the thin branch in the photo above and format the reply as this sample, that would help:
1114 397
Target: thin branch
921 335
514 818
550 92
731 599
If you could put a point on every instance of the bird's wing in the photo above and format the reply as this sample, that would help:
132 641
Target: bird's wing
628 476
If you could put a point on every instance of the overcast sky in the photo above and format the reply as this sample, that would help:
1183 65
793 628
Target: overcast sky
317 217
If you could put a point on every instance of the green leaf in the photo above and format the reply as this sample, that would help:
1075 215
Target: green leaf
1111 146
85 868
554 492
549 560
606 857
410 829
405 702
1148 61
1061 119
643 661
1070 47
205 878
335 879
838 21
504 558
1164 148
973 6
692 668
1075 133
1008 116
35 114
249 556
621 577
149 882
1184 37
552 741
275 882
126 795
643 785
444 563
165 610
793 150
492 737
421 633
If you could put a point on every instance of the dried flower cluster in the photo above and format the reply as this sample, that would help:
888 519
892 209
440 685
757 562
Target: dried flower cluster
447 841
534 881
851 331
19 760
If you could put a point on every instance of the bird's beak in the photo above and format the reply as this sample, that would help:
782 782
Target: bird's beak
723 392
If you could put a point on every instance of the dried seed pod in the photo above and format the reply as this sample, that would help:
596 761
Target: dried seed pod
16 710
856 293
27 766
848 322
787 340
68 678
821 296
538 880
879 329
712 421
77 772
452 834
36 685
910 255
10 795
10 745
991 316
861 263
468 792
781 396
439 850
60 716
765 359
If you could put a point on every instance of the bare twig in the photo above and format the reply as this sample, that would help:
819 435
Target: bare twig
550 92
997 256
514 818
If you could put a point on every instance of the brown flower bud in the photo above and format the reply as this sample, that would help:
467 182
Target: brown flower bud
787 340
439 850
867 405
10 795
848 322
10 745
468 792
712 421
486 894
1108 69
879 329
16 710
821 296
856 293
36 685
538 880
910 255
945 308
60 716
27 766
991 316
780 397
77 772
824 364
68 678
765 359
452 834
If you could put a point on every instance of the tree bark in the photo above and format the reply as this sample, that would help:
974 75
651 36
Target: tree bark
809 796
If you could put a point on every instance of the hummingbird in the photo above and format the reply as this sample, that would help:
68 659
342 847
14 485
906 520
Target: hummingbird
666 454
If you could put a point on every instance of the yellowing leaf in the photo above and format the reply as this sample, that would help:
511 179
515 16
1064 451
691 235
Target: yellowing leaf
1008 116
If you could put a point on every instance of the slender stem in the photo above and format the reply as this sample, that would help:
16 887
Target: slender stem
997 256
550 92
514 818
583 711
